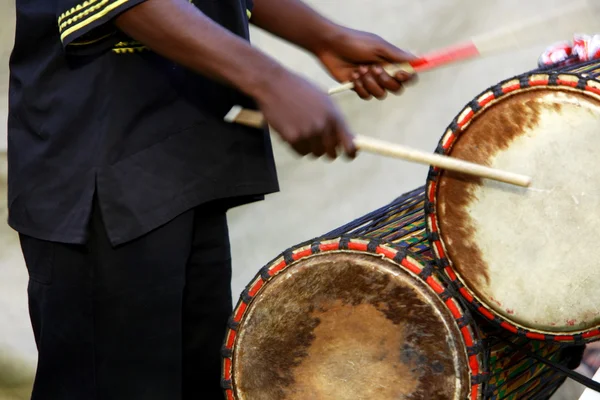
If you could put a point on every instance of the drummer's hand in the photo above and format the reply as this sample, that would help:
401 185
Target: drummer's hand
303 115
358 57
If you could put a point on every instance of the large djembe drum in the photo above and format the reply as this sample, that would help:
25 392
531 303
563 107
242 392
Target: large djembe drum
462 289
520 256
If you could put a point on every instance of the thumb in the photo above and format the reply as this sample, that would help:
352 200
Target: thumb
393 54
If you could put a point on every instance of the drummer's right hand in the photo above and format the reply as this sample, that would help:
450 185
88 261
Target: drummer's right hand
304 116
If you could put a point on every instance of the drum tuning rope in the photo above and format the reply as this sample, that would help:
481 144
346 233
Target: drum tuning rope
576 376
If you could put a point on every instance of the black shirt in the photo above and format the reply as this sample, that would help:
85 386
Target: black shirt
93 112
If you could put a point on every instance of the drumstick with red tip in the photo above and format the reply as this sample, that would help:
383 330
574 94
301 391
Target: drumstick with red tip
557 25
255 119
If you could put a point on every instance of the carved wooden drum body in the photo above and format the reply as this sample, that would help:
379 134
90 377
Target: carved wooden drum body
356 315
522 256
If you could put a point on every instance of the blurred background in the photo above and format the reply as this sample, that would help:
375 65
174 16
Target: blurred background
316 196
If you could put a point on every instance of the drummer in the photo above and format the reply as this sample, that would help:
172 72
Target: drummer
121 172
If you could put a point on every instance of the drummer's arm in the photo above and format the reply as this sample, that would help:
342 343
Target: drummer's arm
297 23
342 50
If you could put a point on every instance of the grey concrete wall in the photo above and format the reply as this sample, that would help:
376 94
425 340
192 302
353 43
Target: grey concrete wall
318 196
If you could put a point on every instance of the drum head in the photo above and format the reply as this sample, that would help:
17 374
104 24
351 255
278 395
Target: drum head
348 325
526 254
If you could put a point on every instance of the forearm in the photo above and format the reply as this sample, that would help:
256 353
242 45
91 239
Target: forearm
177 30
295 22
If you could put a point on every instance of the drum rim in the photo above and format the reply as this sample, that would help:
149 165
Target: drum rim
414 265
507 88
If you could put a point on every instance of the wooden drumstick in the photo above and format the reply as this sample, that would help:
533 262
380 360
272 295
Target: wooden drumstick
255 119
564 22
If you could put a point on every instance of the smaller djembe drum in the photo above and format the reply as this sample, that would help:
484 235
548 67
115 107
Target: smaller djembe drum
356 315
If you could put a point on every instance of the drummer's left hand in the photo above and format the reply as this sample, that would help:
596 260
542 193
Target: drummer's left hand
358 57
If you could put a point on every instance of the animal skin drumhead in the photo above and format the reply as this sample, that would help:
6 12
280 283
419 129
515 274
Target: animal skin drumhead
528 253
347 325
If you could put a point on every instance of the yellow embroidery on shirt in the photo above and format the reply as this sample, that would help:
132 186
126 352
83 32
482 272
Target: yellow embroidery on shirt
129 47
83 14
75 9
130 50
92 18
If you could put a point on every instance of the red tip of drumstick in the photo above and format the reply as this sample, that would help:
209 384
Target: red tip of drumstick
445 56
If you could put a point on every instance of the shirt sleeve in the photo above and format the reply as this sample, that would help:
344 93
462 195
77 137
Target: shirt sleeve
89 22
249 8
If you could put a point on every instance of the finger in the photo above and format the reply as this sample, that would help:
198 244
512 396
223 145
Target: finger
301 147
317 147
386 81
346 138
406 78
359 88
331 142
373 87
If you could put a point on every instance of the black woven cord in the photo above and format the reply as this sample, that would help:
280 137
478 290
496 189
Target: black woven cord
434 236
246 296
264 273
474 104
427 271
521 332
581 84
574 354
445 295
452 290
315 248
288 256
428 206
498 92
373 245
226 353
527 386
479 379
433 175
553 80
443 263
578 337
524 81
489 390
577 377
463 321
475 349
523 373
226 384
344 243
400 255
454 126
549 339
232 324
440 149
476 305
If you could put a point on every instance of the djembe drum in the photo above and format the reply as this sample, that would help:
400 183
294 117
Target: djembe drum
381 307
520 256
359 316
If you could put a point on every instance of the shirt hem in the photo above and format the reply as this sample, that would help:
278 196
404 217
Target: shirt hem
188 202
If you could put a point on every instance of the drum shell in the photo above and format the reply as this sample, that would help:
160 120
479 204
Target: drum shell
580 83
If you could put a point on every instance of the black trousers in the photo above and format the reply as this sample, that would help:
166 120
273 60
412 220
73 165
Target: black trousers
145 320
